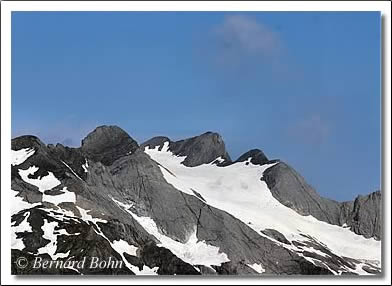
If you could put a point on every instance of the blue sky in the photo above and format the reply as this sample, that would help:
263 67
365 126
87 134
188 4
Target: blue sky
302 86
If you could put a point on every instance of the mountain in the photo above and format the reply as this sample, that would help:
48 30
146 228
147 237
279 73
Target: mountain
178 207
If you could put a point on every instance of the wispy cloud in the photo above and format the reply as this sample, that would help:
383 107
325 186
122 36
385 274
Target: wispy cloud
243 33
240 40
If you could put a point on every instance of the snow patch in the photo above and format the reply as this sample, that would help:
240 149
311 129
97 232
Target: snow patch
50 234
218 160
359 269
193 251
257 267
61 214
47 183
122 246
24 226
85 166
43 183
87 217
165 147
66 196
73 172
313 250
317 262
18 203
19 156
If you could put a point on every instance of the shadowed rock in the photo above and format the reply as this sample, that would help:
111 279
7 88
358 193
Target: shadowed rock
156 141
291 189
108 143
363 215
27 141
257 157
275 235
202 149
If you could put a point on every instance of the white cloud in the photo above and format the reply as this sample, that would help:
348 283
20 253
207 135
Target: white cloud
244 45
244 34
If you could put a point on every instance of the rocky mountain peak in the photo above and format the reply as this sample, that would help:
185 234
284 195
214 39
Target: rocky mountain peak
216 137
155 141
201 149
27 141
108 143
104 136
257 157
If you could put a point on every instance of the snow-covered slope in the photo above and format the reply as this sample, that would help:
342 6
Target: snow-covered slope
239 190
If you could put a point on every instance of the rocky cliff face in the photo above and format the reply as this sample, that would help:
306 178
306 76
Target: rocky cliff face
179 208
362 215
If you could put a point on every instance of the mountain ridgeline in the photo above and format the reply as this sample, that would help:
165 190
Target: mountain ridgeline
181 207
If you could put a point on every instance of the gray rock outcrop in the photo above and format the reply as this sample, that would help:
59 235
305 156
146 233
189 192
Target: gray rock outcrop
108 143
202 149
257 157
363 215
290 188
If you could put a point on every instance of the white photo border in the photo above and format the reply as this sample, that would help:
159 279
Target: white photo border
7 7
